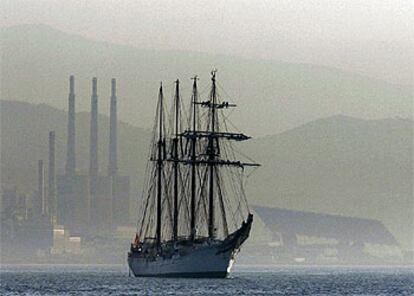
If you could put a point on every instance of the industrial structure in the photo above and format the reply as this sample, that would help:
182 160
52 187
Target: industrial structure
314 238
25 225
71 206
73 201
94 202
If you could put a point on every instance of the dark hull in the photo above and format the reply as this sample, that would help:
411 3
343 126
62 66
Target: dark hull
208 259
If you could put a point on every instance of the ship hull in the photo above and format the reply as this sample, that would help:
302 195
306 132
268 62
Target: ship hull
203 262
205 258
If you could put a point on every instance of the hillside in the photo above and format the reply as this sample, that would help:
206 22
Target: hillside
339 165
37 60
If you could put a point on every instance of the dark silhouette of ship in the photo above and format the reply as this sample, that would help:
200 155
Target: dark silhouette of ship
194 214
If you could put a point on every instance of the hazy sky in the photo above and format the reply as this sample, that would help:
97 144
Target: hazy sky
373 37
204 25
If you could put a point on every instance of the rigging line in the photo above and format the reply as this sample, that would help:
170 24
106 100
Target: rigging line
232 124
238 151
231 173
147 178
244 155
203 197
167 195
204 90
146 206
223 211
150 219
143 218
229 203
240 178
225 93
241 190
200 189
183 216
245 197
228 149
184 194
166 217
184 117
145 210
183 203
147 167
226 117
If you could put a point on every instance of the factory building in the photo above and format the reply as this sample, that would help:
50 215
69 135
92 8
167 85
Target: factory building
313 238
120 200
26 227
73 202
8 199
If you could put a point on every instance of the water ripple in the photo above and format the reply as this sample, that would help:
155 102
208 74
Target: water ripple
114 280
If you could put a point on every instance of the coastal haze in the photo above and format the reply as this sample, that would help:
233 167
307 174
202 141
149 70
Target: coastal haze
324 87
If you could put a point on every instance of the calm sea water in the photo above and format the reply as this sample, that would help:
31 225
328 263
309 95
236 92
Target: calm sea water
114 280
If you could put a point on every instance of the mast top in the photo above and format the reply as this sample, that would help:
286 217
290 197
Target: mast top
213 74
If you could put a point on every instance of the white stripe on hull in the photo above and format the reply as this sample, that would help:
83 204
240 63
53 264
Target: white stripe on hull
201 262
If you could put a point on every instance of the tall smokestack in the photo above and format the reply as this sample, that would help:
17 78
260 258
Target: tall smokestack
40 205
52 203
70 157
93 148
113 160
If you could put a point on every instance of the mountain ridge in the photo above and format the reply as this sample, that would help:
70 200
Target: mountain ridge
283 95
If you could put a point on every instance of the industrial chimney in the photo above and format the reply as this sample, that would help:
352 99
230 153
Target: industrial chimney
70 157
52 202
40 204
113 161
93 148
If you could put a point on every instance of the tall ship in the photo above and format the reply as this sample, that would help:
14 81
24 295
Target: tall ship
194 214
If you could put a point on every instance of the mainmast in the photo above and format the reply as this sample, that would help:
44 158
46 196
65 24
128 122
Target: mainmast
175 157
160 145
193 164
211 152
